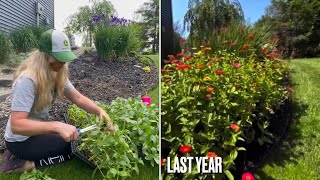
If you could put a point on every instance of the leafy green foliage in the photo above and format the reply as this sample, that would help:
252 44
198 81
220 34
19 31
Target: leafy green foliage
116 153
215 99
296 25
6 47
35 175
23 40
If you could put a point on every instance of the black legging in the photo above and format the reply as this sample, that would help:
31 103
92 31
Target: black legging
44 150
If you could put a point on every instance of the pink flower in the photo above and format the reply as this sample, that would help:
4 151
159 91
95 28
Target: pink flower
247 176
236 65
219 72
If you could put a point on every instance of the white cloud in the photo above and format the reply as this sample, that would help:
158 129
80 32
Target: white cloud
65 8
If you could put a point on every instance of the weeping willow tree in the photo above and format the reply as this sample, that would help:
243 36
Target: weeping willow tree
207 16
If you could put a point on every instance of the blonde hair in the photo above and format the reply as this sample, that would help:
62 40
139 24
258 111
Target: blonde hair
37 66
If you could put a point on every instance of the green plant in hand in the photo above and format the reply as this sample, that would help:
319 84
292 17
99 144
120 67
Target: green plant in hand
115 154
36 175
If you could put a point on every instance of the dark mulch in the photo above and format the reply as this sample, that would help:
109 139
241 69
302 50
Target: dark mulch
99 81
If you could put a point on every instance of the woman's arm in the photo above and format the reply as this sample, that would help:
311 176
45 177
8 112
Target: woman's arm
86 104
23 126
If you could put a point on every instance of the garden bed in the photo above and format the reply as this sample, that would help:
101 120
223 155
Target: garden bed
99 81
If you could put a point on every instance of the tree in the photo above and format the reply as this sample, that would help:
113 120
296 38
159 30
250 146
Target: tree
205 16
81 21
297 24
149 13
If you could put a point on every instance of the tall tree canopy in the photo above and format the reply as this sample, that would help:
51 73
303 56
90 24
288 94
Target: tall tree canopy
149 16
297 23
205 16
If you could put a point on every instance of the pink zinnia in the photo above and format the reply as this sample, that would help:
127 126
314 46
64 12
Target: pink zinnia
236 65
247 176
219 72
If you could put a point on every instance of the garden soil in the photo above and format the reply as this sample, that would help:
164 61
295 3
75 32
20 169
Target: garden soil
99 81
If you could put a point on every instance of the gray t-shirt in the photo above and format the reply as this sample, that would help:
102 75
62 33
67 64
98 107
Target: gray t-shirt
23 100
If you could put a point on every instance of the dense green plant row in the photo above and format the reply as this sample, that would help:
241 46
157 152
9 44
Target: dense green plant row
115 154
215 99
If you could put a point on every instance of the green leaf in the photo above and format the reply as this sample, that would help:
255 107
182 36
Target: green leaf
204 149
229 175
169 129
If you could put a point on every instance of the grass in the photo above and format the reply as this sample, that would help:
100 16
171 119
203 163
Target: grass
78 170
298 157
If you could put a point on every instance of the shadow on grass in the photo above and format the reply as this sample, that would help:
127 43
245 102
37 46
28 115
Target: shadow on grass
283 152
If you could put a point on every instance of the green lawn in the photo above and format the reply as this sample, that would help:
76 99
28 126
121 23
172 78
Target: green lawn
298 157
78 170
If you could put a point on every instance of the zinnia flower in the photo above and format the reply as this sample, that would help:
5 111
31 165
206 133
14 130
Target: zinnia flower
233 44
264 50
167 80
250 36
247 176
200 67
219 72
171 57
234 127
162 162
207 78
236 65
210 89
211 155
242 51
185 149
245 46
180 55
188 58
183 66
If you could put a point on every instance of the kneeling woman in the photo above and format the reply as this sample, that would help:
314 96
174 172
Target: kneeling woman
32 140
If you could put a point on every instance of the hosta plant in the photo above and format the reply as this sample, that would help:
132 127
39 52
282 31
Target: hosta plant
212 100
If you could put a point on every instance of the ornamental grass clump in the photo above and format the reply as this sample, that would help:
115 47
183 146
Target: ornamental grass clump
6 48
112 36
23 40
214 99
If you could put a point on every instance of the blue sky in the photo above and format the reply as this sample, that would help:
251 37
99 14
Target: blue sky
253 9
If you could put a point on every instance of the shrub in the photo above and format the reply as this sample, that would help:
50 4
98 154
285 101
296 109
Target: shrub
6 48
37 32
214 99
23 40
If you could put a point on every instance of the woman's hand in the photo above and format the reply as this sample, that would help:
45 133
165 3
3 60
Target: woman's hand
104 115
67 131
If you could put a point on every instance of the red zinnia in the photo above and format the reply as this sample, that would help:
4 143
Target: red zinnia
175 61
182 40
247 176
245 46
200 67
162 162
210 89
235 127
211 155
180 55
188 58
185 149
250 36
236 65
171 57
183 66
264 50
219 72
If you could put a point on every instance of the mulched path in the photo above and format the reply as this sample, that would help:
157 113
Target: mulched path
99 81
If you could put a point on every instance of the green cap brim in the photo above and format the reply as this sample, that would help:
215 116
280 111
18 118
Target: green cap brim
66 56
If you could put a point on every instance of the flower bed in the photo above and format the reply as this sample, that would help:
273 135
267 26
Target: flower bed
219 99
116 154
